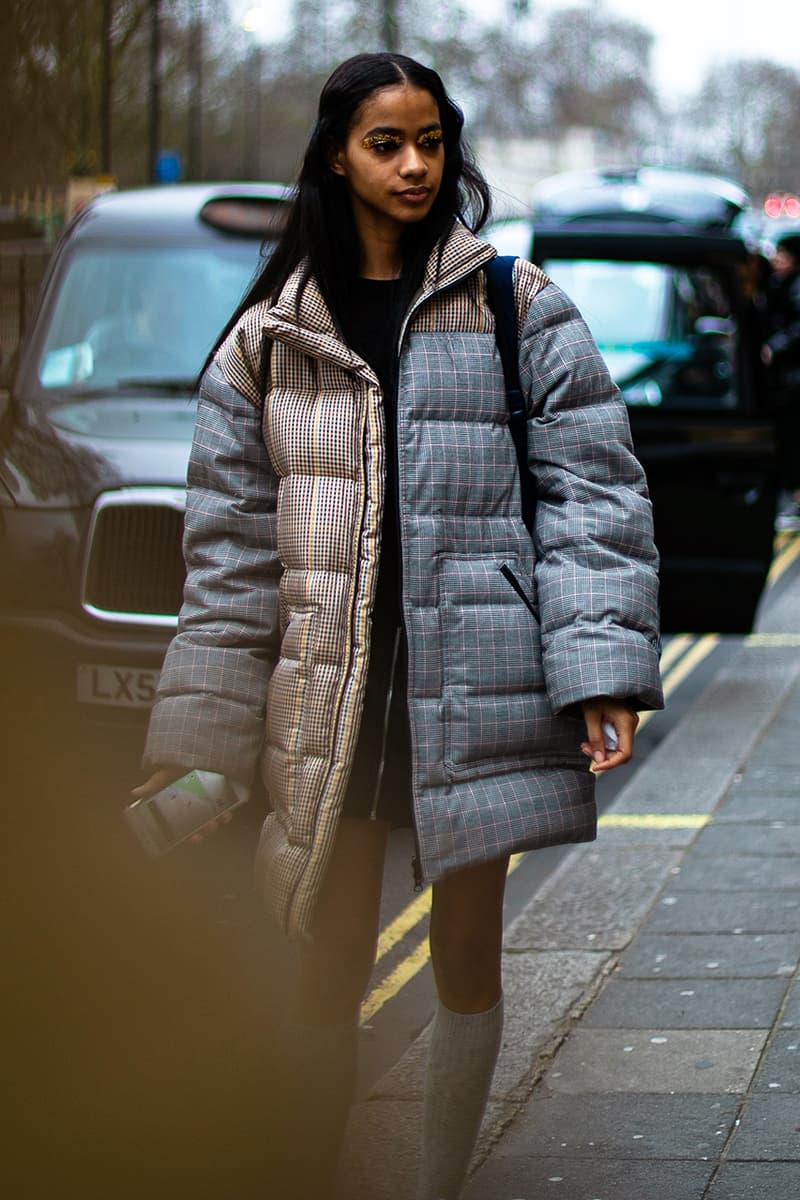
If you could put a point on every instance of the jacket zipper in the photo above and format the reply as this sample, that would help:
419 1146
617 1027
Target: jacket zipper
373 814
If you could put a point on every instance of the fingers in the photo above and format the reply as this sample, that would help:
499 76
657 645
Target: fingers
211 828
161 778
610 730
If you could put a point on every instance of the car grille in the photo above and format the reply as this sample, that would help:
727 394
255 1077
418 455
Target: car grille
134 568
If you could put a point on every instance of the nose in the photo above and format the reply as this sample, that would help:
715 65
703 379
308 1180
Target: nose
413 163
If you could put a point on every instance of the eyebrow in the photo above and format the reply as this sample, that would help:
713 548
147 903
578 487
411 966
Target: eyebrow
390 129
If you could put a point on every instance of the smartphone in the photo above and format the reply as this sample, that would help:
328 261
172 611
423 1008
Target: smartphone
181 809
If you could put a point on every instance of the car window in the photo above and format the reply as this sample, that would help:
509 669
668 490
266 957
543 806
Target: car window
667 333
130 313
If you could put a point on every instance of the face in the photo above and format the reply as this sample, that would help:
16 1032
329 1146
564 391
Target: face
392 160
783 261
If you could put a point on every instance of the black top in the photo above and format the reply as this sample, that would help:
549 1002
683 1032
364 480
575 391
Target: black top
369 324
380 781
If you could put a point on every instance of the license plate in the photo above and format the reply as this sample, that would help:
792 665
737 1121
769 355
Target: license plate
118 687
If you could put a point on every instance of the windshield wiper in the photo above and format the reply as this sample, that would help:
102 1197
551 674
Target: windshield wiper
179 387
115 387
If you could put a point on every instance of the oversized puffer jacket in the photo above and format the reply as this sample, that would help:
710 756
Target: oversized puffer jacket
505 634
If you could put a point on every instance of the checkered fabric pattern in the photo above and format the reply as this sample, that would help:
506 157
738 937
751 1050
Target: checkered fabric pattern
283 554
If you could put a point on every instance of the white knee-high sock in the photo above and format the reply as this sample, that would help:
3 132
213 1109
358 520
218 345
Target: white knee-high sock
463 1053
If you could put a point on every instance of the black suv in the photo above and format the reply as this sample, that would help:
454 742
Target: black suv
663 267
95 436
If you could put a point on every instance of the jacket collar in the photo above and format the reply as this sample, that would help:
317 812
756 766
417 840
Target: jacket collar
458 256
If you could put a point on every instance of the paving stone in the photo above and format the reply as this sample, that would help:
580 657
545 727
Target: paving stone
596 901
779 747
704 956
655 1060
765 777
686 1004
776 839
791 1014
755 1181
758 806
627 1126
770 1130
379 1157
748 912
780 1069
735 873
381 1150
521 1178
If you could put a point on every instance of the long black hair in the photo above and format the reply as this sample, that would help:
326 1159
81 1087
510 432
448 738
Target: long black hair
321 232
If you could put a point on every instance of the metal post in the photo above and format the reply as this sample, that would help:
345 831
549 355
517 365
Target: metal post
105 90
194 164
22 314
154 92
252 111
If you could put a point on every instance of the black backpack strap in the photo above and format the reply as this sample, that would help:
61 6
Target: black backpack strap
500 295
264 357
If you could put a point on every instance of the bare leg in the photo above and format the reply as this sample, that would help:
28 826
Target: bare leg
319 1039
467 936
466 947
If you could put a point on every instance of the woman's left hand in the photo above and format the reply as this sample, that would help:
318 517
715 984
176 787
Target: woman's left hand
599 744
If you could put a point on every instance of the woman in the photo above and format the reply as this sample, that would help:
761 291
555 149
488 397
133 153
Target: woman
348 583
780 354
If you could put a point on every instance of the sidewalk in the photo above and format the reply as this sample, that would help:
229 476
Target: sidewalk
652 1041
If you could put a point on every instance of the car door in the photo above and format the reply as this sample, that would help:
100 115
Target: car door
674 315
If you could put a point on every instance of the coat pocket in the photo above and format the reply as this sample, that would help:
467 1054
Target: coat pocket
510 577
495 706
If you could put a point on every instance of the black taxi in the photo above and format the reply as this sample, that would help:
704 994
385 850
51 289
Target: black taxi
664 266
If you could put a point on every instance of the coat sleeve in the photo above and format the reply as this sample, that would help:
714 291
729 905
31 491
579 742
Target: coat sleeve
209 708
596 575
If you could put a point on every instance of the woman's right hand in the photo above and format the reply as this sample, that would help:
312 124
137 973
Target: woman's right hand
162 778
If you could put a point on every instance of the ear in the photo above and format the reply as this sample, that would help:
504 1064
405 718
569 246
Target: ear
334 157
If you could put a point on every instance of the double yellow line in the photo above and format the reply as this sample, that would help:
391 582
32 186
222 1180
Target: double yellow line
682 655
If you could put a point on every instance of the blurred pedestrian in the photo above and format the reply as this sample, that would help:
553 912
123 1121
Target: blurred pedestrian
780 354
365 609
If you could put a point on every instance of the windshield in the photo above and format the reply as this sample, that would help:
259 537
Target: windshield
667 333
130 316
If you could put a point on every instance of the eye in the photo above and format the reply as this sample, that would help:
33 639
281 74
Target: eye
431 140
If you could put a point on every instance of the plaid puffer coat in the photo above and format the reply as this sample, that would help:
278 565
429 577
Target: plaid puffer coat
283 528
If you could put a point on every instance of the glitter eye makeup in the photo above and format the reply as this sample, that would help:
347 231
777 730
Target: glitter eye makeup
382 141
431 139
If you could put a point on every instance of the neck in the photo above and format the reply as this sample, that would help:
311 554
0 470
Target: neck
380 245
383 262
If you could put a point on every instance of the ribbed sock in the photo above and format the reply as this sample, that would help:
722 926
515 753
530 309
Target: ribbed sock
317 1081
463 1053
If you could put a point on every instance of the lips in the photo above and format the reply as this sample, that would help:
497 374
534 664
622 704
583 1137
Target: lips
417 193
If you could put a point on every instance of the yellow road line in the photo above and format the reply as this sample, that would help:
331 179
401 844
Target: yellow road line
653 820
674 648
773 639
674 678
783 560
403 923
